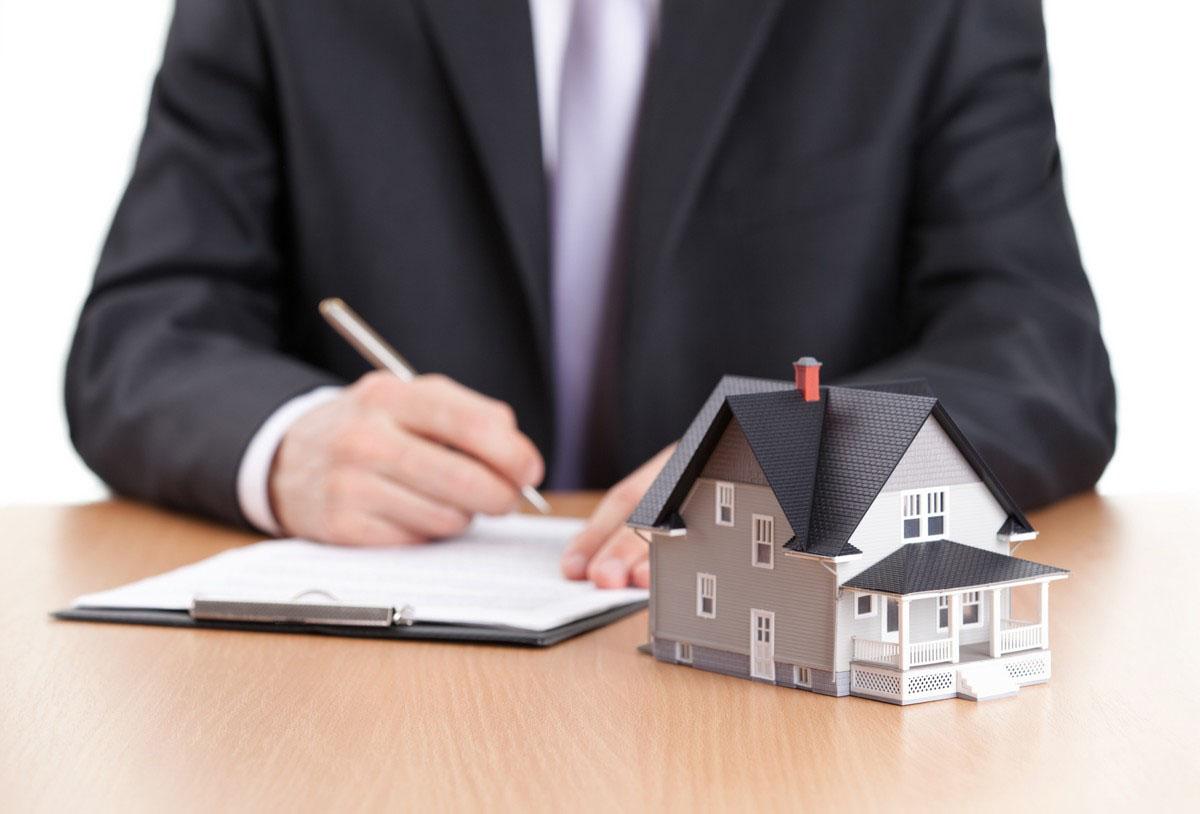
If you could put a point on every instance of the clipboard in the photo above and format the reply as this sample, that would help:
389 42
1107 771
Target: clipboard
500 582
417 631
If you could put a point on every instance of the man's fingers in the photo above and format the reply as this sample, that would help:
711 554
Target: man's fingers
614 563
610 515
641 574
445 411
445 475
356 492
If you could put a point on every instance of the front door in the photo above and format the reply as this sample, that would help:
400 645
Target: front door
762 644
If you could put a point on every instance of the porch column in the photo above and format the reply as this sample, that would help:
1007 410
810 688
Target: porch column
903 633
1044 615
955 611
997 617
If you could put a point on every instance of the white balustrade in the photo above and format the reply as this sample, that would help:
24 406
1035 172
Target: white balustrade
930 652
1019 635
876 651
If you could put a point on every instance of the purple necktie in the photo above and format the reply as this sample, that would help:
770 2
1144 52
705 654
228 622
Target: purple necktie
603 70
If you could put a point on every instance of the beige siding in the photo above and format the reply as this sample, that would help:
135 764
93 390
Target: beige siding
800 592
733 460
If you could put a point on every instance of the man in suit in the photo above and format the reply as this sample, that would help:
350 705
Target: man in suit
581 214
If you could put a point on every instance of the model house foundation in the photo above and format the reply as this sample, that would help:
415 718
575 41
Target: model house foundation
842 540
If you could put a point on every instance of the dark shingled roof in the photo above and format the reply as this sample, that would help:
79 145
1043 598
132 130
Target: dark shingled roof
784 432
866 434
856 436
942 565
670 487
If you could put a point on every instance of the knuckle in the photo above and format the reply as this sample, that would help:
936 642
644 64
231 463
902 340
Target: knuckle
434 383
374 386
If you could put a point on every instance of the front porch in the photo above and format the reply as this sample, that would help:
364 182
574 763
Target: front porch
977 676
948 624
1007 635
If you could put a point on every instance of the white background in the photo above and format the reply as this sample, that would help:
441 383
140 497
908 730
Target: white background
75 76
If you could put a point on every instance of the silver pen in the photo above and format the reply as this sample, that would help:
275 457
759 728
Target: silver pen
375 349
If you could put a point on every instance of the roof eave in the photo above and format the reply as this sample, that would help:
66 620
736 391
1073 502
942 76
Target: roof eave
804 555
986 586
1017 537
664 531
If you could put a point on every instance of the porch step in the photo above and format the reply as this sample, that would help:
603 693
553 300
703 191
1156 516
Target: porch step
985 681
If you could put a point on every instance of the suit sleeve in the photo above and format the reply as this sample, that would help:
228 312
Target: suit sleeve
1000 317
178 356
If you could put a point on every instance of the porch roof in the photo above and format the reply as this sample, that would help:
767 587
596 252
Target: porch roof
942 565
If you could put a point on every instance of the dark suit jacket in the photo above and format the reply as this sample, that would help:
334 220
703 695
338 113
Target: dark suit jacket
873 183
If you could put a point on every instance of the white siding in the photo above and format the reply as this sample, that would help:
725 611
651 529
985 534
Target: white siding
973 516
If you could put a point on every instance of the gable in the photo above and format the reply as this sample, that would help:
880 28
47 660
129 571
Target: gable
866 434
732 459
861 435
669 489
784 434
932 459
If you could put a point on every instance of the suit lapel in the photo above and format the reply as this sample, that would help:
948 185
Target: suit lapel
706 51
487 48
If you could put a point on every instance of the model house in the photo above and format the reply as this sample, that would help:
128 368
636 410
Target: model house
847 541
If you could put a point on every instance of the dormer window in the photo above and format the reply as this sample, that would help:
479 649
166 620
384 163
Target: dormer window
724 504
763 542
924 514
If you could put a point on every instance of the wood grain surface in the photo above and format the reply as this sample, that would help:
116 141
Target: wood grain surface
107 717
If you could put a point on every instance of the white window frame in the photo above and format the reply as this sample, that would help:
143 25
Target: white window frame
801 676
874 606
915 504
966 600
721 489
683 652
943 603
704 581
768 522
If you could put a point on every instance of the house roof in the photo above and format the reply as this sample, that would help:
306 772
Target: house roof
784 432
855 436
942 565
668 490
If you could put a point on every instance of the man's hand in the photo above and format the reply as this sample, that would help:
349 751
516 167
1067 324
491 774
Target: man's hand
606 552
391 462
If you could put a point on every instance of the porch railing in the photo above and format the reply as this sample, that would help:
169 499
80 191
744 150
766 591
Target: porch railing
919 653
877 651
1016 634
930 652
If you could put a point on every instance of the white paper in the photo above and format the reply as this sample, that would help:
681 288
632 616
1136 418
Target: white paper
502 572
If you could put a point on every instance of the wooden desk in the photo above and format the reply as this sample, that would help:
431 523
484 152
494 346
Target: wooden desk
113 716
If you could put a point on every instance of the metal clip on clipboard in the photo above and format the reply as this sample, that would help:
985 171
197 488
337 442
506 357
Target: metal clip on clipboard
296 612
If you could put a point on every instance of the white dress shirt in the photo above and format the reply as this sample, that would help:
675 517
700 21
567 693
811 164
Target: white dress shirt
580 257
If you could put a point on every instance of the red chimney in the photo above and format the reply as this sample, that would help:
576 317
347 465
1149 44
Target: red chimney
808 377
